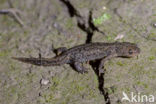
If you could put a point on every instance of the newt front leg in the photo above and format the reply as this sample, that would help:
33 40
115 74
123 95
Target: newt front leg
60 50
103 61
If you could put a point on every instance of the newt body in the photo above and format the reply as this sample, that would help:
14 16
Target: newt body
86 52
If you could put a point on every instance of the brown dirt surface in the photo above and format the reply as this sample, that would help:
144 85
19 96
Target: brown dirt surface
50 24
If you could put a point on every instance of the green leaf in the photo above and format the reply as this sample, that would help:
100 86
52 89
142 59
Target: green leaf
101 19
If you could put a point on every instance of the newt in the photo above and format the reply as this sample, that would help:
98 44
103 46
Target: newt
86 52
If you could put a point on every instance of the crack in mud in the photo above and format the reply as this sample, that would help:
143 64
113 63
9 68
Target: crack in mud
102 89
101 81
71 10
89 28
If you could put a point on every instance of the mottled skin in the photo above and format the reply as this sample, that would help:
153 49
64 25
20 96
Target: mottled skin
86 52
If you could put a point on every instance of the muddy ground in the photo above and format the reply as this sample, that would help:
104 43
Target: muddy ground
43 26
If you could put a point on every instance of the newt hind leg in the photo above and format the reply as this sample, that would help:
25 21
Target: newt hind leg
79 67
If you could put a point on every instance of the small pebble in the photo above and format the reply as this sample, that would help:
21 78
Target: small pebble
154 25
104 8
55 25
44 81
120 36
52 74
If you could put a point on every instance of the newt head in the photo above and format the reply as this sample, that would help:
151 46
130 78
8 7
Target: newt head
127 49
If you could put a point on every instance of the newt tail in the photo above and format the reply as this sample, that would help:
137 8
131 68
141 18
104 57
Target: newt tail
42 61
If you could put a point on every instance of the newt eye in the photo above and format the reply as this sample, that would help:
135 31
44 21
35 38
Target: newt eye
130 51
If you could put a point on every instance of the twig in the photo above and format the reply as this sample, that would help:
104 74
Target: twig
14 13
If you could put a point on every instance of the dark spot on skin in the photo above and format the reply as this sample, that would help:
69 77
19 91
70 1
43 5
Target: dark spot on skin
130 51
